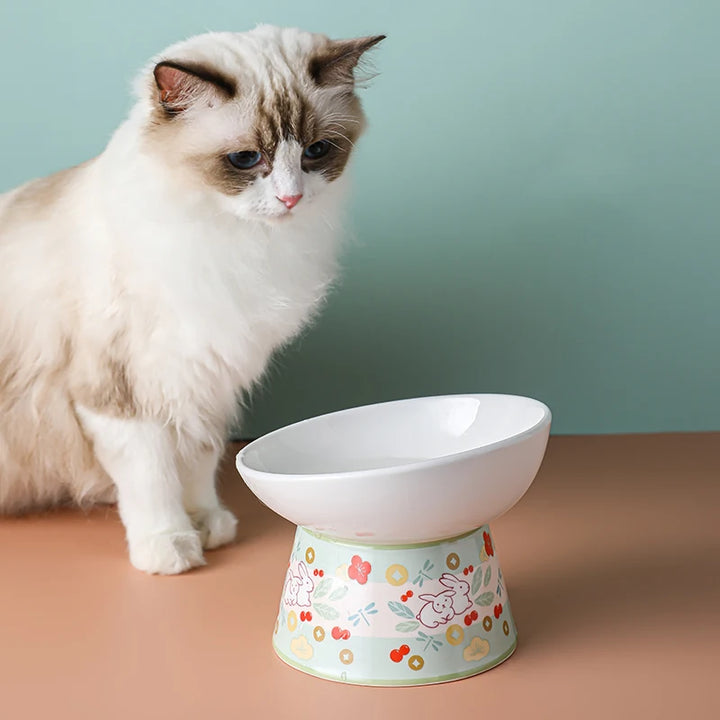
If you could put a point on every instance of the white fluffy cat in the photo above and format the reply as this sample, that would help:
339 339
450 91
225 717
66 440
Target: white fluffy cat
142 291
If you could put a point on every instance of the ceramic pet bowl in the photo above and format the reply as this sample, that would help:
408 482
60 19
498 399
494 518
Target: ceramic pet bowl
393 577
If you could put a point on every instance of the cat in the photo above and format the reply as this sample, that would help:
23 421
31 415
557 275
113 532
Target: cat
142 292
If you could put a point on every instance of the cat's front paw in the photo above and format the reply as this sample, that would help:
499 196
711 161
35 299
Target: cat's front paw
216 527
167 553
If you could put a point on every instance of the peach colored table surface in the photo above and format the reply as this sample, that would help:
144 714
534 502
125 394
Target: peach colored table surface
612 563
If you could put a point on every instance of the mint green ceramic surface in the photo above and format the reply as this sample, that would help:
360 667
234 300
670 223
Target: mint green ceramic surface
394 615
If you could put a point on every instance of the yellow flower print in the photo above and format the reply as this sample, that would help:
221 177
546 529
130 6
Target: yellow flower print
301 648
476 650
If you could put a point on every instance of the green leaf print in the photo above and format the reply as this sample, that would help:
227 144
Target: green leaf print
429 641
477 579
326 611
485 599
323 588
339 593
407 626
400 609
488 573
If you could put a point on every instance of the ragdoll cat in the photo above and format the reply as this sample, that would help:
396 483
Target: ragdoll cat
141 292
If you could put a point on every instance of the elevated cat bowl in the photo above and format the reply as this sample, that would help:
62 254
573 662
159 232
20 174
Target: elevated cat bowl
393 577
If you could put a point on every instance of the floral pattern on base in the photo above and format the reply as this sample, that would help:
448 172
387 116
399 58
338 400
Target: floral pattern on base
394 615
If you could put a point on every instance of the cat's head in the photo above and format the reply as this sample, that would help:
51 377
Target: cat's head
264 121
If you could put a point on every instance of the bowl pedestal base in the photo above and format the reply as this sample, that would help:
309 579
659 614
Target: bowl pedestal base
394 615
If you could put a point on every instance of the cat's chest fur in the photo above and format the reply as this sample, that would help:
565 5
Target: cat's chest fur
204 308
188 307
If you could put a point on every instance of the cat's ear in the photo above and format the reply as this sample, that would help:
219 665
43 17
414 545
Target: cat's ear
334 63
180 86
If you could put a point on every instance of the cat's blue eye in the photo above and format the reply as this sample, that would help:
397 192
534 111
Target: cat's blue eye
317 150
245 160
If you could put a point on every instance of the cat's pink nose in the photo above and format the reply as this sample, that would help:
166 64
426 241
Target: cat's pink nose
290 201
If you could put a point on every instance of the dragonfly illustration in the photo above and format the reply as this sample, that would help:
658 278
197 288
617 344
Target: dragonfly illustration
362 614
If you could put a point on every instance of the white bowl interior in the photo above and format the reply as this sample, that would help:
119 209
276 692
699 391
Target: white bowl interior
393 434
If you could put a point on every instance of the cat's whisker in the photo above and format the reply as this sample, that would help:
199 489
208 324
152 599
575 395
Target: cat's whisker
327 222
341 119
344 137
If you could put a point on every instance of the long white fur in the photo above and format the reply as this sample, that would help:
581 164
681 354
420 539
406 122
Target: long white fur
201 288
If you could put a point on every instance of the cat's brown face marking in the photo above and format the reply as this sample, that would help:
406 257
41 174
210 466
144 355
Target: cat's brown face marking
284 114
218 172
278 108
288 115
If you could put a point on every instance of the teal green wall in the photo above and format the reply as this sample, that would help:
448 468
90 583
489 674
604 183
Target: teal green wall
537 205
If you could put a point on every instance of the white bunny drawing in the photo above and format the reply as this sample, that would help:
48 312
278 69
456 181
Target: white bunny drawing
437 610
441 608
461 601
289 589
305 586
298 588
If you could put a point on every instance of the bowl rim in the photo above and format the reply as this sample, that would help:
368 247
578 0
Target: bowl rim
276 477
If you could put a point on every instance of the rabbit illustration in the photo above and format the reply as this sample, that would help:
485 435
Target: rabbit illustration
461 601
305 586
290 588
437 610
299 587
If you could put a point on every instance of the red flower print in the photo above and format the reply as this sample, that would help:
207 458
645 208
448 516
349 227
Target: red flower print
359 570
488 544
